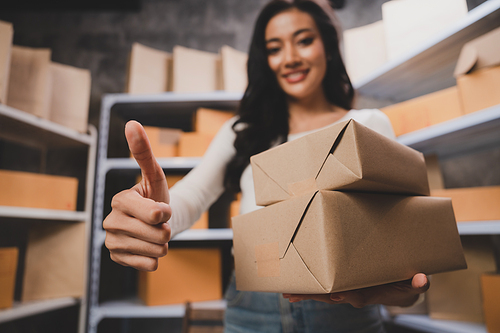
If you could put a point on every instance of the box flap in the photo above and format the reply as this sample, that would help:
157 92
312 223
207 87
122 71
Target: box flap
481 52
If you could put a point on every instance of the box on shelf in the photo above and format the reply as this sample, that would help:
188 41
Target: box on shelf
183 275
149 70
6 35
8 268
365 50
193 144
195 70
24 189
202 223
359 158
490 287
473 203
234 69
29 81
70 96
424 111
55 261
331 241
164 141
478 72
410 23
209 121
434 173
457 295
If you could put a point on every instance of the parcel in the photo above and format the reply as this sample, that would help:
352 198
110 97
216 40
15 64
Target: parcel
346 156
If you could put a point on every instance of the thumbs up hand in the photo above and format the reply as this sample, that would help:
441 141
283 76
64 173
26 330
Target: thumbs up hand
137 231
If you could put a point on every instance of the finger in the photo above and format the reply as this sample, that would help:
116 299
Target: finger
131 203
292 298
117 222
140 148
141 263
116 242
420 283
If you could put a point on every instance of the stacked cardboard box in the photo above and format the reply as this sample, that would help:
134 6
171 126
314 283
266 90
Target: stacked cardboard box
6 34
347 208
8 268
183 275
490 286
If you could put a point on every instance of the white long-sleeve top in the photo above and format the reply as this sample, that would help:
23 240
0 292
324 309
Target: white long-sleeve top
203 185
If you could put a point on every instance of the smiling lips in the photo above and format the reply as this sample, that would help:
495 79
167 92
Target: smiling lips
295 76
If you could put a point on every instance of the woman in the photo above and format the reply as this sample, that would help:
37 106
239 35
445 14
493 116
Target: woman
297 84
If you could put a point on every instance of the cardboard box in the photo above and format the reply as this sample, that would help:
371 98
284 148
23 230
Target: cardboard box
234 69
490 286
345 156
424 111
164 141
410 23
478 72
196 71
55 261
331 241
24 189
208 121
473 203
365 50
70 96
29 81
149 70
183 275
457 295
434 174
8 268
6 35
193 144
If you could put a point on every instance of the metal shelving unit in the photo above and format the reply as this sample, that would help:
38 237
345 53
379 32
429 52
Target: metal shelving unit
25 129
429 67
167 110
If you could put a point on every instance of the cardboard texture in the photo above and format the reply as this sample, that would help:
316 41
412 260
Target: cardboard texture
410 23
195 71
234 69
70 96
193 144
23 189
365 50
55 261
331 241
177 279
164 141
6 35
490 287
345 156
29 81
424 111
434 173
208 121
8 268
149 71
478 72
473 203
457 295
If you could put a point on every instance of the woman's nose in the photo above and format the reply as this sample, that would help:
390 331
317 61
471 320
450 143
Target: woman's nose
291 57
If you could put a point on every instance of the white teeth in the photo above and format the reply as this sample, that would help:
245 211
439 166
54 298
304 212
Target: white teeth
295 75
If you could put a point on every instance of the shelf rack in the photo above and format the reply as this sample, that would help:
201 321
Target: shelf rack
27 129
429 67
167 110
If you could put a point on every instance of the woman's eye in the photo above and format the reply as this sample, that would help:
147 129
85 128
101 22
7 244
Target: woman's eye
273 50
306 41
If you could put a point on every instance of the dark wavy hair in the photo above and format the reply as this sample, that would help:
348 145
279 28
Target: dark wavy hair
263 110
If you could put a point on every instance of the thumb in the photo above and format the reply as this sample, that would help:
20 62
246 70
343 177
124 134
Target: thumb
154 183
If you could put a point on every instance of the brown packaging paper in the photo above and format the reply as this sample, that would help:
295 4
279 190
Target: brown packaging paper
29 81
6 35
332 241
344 156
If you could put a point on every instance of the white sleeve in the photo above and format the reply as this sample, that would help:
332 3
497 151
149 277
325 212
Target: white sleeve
202 186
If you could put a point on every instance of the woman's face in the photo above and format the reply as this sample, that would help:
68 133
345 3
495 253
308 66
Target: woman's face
296 53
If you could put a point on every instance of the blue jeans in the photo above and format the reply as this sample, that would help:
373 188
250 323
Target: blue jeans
256 312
